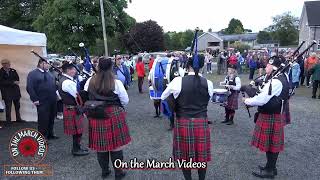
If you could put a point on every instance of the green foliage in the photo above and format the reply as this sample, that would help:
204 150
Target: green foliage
146 36
20 14
285 29
235 27
67 23
264 37
240 46
178 40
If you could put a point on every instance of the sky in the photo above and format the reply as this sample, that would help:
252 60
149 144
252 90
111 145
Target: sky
179 15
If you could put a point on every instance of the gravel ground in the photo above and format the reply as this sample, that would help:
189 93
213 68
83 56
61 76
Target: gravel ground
233 158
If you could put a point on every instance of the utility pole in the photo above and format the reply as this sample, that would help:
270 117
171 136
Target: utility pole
104 29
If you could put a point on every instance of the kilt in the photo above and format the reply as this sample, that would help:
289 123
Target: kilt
109 133
233 99
191 139
268 134
72 122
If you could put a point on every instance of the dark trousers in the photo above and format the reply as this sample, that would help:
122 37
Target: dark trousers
209 68
229 114
59 106
219 68
251 73
140 83
8 104
315 86
302 77
46 115
157 104
172 121
308 79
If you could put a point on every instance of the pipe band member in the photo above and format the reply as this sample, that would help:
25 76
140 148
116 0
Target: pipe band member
268 134
72 120
233 83
191 96
108 135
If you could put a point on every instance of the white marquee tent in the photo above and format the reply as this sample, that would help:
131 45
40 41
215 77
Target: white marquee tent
15 45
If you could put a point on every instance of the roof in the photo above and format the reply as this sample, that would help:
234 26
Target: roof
12 36
238 37
313 12
211 34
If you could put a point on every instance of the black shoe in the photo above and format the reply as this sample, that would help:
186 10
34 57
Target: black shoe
20 121
106 173
156 116
275 171
84 148
120 174
225 121
209 122
230 123
53 137
318 97
79 152
264 174
170 129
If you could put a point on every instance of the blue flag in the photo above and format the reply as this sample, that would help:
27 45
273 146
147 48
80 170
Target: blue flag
195 64
87 61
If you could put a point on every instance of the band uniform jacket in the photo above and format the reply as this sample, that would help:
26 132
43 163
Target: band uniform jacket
9 90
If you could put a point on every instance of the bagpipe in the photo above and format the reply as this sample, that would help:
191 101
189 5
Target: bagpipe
260 81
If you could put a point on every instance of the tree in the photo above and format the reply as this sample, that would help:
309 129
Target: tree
146 36
240 46
285 29
235 27
67 23
20 14
264 37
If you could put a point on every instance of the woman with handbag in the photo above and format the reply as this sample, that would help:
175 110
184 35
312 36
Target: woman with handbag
108 130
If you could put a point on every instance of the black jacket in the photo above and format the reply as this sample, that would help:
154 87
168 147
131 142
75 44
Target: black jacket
41 86
9 90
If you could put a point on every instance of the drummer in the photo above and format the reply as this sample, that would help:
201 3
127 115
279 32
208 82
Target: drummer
233 83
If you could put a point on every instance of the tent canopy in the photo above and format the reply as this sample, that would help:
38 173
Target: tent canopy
12 36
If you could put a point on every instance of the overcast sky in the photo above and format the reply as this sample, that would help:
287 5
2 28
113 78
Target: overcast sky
179 15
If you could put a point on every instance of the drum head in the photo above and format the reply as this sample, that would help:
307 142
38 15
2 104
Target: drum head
222 91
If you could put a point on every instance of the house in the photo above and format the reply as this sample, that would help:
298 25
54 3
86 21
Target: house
218 41
310 24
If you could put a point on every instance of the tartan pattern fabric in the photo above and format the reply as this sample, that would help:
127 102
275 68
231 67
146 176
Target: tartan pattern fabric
232 102
72 122
191 140
109 133
268 134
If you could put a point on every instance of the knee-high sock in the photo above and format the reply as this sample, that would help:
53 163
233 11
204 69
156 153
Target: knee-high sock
202 174
172 121
103 159
114 156
156 104
231 114
227 113
187 174
76 141
271 160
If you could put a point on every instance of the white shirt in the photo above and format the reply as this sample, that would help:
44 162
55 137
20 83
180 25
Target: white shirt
263 98
237 86
69 86
174 87
119 90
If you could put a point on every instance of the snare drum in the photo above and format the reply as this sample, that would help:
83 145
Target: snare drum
154 94
220 96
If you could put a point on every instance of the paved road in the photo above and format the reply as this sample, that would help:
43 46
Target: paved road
233 158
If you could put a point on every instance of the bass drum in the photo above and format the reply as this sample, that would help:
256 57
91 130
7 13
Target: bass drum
174 70
158 77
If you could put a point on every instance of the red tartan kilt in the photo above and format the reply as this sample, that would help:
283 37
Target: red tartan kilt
268 134
72 123
233 101
109 133
191 139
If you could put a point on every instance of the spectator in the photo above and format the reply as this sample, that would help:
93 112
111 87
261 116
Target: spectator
315 71
41 87
221 60
140 73
233 60
151 62
240 62
252 66
121 72
294 74
301 64
10 91
208 61
309 63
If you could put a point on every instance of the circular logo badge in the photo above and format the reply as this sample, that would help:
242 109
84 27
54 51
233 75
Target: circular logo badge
28 146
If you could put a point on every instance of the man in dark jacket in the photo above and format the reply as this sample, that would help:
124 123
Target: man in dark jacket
10 91
42 90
